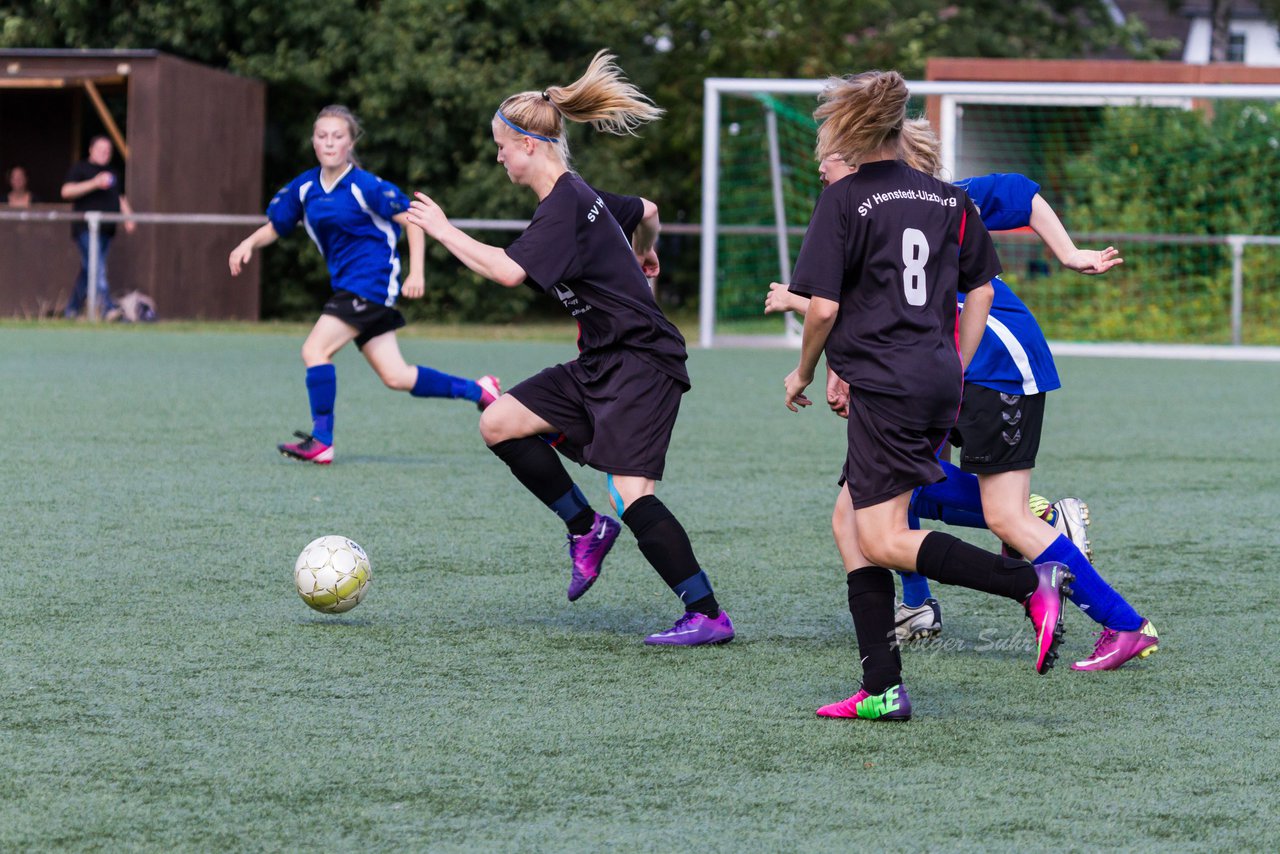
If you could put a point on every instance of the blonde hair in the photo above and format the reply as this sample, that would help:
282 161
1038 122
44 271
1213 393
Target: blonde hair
338 111
920 148
601 96
860 113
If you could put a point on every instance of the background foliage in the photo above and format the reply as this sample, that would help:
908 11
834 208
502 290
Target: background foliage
425 76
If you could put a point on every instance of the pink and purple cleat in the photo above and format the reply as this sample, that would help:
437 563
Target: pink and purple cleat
891 705
490 390
587 552
309 450
695 629
1115 648
1044 607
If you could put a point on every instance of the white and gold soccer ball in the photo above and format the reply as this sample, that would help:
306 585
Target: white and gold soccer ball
332 574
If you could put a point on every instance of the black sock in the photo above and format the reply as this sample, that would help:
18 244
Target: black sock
666 546
871 606
581 524
944 558
537 466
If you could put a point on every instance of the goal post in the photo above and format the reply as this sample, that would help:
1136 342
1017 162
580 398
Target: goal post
1183 178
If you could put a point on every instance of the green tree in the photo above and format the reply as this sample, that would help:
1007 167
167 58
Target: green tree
426 75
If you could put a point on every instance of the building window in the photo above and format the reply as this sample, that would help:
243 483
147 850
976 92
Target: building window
1235 47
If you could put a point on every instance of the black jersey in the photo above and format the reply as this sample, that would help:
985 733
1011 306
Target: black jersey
107 201
893 245
578 248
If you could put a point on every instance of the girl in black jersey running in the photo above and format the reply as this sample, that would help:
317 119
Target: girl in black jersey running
885 254
614 406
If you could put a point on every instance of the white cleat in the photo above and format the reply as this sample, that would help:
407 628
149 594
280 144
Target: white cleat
916 623
1071 519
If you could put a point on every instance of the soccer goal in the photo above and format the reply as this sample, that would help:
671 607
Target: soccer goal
1183 179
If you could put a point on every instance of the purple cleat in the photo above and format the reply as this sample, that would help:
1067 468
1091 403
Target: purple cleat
695 629
588 551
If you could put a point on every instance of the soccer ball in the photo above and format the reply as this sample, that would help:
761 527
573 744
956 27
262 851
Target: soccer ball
332 574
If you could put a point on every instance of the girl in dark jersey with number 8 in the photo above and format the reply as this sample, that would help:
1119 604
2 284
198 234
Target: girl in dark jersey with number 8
885 254
613 407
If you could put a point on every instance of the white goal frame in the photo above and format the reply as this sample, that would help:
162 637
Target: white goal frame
953 95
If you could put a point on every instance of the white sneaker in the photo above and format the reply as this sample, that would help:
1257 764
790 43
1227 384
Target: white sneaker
1071 518
915 623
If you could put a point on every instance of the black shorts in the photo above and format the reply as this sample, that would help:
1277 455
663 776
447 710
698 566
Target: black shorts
998 432
886 459
616 414
368 318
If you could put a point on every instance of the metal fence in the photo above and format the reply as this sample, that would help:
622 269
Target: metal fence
1236 243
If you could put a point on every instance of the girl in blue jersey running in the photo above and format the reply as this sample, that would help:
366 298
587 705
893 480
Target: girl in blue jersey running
355 219
1002 413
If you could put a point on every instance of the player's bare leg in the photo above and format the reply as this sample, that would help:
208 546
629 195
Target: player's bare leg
384 356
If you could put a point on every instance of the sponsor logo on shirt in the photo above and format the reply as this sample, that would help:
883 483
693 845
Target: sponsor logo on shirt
571 301
868 204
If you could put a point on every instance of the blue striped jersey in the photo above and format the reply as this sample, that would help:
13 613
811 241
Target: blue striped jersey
351 223
1013 356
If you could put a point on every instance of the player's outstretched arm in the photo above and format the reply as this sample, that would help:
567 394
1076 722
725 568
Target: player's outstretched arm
1045 223
243 252
645 240
481 258
780 298
415 280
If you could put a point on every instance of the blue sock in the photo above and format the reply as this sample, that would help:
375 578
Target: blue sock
1089 591
955 501
433 383
915 587
570 504
322 391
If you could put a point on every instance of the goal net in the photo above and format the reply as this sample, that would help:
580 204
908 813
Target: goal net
1183 179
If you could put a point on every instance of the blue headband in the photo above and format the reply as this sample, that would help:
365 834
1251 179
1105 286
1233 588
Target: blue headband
518 129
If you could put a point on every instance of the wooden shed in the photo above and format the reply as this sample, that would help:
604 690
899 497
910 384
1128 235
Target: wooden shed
188 139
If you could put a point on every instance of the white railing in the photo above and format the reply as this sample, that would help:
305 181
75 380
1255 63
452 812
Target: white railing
95 219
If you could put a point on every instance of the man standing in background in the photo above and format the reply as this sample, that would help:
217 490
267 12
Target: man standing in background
92 185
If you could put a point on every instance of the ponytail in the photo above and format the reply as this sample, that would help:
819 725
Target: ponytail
919 147
601 96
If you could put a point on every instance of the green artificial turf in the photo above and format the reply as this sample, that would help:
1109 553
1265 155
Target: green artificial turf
162 687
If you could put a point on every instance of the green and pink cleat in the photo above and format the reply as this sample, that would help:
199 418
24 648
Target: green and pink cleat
891 705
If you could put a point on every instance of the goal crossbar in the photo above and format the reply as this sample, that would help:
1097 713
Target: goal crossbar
951 94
